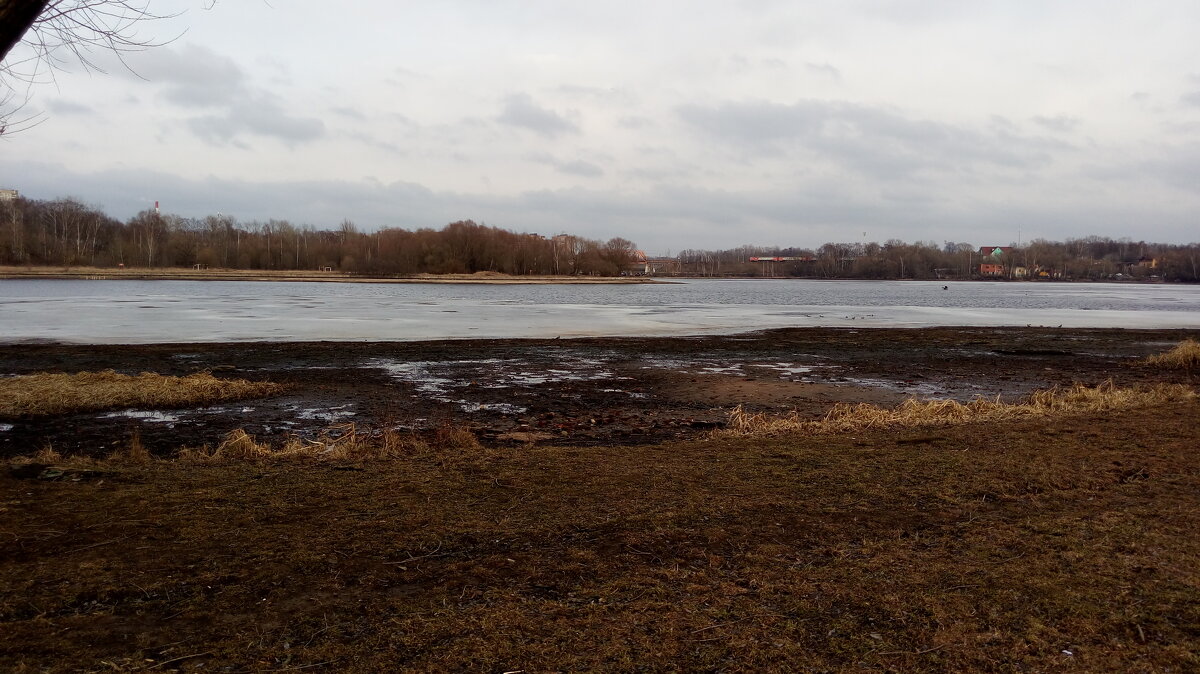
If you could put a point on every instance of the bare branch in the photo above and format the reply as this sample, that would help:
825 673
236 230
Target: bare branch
55 33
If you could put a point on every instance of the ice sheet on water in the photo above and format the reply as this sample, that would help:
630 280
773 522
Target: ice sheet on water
105 312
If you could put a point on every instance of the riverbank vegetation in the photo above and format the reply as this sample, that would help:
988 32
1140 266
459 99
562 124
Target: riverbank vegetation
48 394
1185 356
913 413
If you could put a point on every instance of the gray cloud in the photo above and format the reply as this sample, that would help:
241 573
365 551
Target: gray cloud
262 117
521 111
61 107
576 167
1060 123
875 141
635 122
666 217
824 69
349 112
195 77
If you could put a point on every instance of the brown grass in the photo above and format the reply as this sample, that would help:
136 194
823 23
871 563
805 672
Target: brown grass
914 413
49 394
345 442
1185 356
1049 544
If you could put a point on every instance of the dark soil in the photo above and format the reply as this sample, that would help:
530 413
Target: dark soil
1041 546
615 391
1056 544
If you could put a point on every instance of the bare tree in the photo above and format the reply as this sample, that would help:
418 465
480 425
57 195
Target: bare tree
55 33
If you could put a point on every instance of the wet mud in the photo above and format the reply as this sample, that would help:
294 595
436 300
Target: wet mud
597 391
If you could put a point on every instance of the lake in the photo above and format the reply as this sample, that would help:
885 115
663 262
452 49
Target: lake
143 312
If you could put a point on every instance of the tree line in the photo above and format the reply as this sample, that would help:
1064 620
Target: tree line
1087 258
67 232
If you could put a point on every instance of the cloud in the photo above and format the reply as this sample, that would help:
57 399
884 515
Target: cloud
521 111
635 122
824 69
869 140
263 117
62 107
193 75
195 78
660 218
1061 123
576 167
349 112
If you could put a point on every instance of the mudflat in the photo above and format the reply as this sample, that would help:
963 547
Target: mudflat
619 532
575 392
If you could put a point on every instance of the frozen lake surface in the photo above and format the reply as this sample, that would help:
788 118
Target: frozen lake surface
145 312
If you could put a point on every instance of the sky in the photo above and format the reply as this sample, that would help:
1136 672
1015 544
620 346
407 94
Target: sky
678 125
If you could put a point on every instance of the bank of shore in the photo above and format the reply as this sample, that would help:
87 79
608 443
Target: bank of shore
182 274
601 525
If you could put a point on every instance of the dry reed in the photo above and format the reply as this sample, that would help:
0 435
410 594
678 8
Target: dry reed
913 413
344 442
48 394
1185 356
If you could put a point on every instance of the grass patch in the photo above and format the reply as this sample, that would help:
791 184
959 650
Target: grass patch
344 442
49 394
1185 356
913 413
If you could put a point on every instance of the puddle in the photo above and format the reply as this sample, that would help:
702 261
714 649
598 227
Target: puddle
152 416
326 414
438 378
499 408
709 366
631 394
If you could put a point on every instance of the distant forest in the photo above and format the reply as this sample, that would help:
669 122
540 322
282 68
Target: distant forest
1088 258
66 232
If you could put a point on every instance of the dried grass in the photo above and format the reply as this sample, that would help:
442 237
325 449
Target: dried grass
1185 356
134 452
48 394
913 413
344 442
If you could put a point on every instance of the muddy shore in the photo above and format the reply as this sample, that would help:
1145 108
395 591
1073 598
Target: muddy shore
579 392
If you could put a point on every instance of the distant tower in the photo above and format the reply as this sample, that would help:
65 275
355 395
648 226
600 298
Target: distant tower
156 208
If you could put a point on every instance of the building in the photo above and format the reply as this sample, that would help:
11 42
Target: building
652 266
994 260
9 195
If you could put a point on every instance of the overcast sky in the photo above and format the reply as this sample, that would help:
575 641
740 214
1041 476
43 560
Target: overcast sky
697 124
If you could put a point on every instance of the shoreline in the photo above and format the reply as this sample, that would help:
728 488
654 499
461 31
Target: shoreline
480 278
177 274
577 391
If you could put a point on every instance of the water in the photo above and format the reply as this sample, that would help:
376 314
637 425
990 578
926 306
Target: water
143 312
